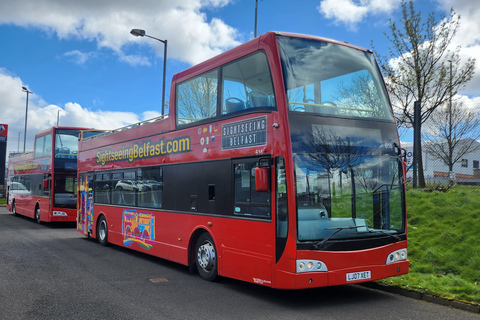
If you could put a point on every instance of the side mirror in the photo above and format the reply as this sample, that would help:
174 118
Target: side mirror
261 179
45 184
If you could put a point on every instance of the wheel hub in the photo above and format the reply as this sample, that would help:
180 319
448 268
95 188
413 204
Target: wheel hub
206 256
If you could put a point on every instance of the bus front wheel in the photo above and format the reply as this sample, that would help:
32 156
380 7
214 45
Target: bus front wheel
102 231
14 208
206 257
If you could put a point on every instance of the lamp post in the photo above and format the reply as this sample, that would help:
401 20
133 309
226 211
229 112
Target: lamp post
141 33
26 117
256 15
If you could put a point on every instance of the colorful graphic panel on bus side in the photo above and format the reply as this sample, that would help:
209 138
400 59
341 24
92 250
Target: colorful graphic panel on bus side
138 228
85 208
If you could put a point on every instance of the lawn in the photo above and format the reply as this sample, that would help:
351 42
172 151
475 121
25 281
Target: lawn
444 243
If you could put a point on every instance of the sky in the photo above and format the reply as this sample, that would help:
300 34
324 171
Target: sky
81 63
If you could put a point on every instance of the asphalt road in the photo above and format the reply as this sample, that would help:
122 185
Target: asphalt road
53 272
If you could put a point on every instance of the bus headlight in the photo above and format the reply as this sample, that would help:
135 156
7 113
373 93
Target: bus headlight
396 256
59 213
310 266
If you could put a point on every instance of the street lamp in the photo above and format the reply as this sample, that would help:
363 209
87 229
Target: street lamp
26 116
256 14
141 33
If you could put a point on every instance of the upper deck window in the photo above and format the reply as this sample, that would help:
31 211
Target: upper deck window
247 83
197 98
332 79
66 143
43 146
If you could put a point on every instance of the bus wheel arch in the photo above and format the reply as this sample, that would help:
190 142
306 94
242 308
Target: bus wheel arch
102 230
37 213
205 256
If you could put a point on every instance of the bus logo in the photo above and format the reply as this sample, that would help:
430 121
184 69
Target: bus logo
245 133
138 227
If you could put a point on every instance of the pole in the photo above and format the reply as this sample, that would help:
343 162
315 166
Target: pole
256 14
26 117
450 166
164 75
416 140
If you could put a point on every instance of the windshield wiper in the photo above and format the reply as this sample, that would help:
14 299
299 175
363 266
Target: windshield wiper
386 233
320 244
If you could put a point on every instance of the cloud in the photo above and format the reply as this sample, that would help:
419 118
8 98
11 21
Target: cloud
468 37
352 12
191 37
42 115
79 57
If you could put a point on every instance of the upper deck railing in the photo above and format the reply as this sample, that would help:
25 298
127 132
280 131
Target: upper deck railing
131 126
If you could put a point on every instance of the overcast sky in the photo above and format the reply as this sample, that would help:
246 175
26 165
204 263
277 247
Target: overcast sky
80 58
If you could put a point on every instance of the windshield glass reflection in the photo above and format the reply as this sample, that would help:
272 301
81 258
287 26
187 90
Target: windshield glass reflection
331 79
347 187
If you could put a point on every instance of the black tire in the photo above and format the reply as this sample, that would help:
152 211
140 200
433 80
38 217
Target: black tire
14 208
37 215
102 231
206 257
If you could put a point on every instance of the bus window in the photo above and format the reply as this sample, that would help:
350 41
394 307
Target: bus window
197 98
248 201
150 187
102 188
247 83
43 146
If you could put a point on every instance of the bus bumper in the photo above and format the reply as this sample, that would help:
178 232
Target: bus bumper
340 277
63 215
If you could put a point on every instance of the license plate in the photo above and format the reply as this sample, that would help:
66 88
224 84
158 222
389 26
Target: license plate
357 276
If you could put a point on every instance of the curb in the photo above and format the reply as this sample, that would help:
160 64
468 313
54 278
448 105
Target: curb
425 297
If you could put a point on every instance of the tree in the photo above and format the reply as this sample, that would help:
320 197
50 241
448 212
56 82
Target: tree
452 133
419 67
197 98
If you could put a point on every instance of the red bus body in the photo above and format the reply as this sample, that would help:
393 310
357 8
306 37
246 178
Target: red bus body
42 184
164 186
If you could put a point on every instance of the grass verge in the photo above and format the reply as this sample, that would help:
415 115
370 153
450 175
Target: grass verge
444 243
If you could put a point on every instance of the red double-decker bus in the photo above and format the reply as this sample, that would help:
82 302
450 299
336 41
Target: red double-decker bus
42 184
278 164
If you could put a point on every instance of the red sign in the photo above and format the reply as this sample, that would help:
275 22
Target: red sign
3 132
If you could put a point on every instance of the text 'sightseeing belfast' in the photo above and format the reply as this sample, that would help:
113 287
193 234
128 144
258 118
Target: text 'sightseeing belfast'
143 150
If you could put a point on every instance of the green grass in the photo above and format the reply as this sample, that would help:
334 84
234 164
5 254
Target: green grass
3 201
444 244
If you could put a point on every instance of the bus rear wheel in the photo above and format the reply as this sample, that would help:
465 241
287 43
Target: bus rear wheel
102 231
206 257
37 215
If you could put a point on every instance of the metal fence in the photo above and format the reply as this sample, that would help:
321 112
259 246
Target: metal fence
465 170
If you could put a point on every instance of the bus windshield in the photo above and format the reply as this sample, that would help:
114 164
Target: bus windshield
66 143
345 196
332 79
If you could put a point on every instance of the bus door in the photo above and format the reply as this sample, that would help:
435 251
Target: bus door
249 242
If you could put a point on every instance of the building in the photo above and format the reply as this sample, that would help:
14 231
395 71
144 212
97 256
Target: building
466 171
